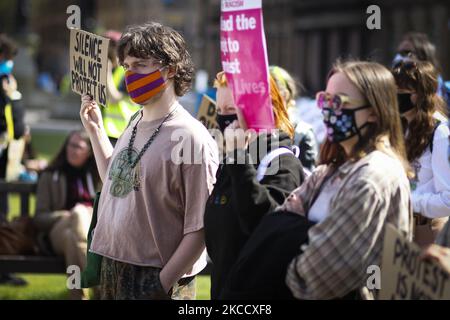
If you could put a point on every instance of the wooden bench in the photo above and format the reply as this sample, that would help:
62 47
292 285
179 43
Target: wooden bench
27 264
35 264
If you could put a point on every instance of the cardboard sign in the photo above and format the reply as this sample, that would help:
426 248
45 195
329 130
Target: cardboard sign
89 64
207 113
244 60
404 276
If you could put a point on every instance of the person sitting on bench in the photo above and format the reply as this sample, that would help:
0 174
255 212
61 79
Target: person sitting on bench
64 200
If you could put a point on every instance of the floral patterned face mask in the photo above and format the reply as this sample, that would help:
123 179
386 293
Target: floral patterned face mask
340 122
341 125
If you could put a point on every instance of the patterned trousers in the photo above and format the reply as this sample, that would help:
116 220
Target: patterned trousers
123 281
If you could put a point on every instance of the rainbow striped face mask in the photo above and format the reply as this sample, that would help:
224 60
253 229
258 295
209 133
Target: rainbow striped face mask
142 87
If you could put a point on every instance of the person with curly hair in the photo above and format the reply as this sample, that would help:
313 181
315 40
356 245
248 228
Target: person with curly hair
157 178
427 141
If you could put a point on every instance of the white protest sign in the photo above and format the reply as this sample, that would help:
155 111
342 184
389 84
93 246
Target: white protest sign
404 276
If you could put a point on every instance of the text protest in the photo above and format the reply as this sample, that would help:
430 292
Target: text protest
245 62
405 276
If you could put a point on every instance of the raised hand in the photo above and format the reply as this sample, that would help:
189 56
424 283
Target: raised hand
90 114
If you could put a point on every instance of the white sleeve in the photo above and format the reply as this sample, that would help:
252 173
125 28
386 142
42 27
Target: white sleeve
437 204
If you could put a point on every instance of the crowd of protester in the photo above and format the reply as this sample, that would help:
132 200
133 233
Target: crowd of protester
278 215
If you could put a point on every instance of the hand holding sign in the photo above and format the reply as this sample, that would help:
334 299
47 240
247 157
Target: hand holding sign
90 114
439 255
405 275
89 64
237 135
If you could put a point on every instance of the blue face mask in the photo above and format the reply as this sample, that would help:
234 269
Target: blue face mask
6 67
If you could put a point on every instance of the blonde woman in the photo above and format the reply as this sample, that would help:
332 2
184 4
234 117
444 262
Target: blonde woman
242 195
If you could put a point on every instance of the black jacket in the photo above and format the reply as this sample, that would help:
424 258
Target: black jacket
260 270
239 201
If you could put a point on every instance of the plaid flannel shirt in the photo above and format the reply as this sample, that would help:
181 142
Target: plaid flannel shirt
373 191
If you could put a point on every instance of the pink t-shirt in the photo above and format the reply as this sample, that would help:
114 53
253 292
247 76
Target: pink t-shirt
144 213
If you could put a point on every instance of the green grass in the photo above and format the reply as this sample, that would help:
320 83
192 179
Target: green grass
14 201
53 287
40 287
47 144
203 288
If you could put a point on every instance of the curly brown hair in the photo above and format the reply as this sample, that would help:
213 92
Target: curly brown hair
420 77
154 40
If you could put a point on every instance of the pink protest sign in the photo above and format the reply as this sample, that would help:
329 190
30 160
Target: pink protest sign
244 60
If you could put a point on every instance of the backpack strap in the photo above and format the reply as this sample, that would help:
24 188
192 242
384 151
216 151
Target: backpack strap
438 122
268 158
296 150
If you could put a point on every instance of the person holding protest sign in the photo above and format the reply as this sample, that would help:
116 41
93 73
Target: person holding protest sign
245 191
64 200
304 136
150 212
361 185
427 142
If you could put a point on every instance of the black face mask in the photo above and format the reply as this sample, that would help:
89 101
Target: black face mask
224 120
404 102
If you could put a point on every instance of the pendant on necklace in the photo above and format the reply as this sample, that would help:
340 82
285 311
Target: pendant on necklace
137 177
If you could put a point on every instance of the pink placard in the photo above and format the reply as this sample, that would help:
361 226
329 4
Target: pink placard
244 60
